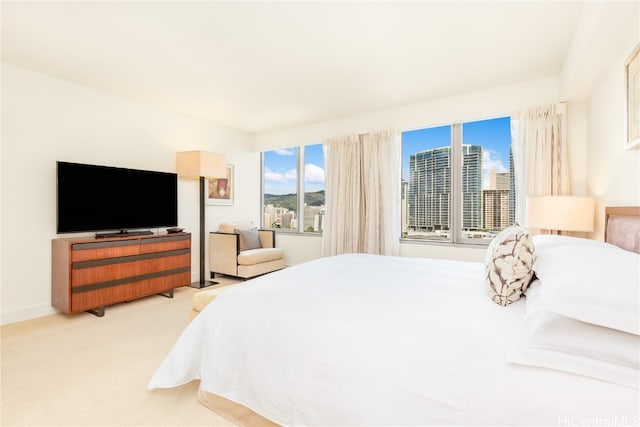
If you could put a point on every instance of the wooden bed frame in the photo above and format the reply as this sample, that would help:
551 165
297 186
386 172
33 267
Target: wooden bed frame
622 228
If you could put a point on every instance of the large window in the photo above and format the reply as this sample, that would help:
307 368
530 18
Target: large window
426 183
288 173
457 181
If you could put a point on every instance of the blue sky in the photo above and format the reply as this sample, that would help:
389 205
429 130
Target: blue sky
494 135
280 170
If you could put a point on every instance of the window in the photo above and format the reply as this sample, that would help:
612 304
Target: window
426 183
313 188
288 173
457 181
280 189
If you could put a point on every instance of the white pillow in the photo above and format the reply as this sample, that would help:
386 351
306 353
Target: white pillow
554 341
545 241
595 283
508 265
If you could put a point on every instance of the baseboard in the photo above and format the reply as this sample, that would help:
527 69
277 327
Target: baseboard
28 313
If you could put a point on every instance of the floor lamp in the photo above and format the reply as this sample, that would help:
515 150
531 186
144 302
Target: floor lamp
561 213
201 165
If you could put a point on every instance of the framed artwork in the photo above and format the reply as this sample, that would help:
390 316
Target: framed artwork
220 191
632 79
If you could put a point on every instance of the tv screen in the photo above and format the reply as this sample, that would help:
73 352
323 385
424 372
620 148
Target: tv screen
98 198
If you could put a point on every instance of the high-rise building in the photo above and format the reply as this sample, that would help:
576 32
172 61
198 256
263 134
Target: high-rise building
498 180
278 217
429 194
311 218
512 189
496 209
318 221
404 208
496 213
471 186
429 190
288 219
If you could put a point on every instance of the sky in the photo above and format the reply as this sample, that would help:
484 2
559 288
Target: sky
494 135
280 170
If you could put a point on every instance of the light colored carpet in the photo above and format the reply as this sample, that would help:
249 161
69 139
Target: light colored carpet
83 370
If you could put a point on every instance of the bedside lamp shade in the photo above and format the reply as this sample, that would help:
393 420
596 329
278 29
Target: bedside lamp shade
194 164
561 213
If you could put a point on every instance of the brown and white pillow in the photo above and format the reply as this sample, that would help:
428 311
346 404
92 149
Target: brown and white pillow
509 265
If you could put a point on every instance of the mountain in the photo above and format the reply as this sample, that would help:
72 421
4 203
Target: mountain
314 199
289 200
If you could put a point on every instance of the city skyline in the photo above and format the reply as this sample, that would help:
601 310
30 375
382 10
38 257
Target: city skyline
430 186
494 135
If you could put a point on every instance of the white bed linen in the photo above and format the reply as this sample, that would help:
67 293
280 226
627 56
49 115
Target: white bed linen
594 283
373 340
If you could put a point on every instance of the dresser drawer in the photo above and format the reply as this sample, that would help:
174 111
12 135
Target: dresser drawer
101 250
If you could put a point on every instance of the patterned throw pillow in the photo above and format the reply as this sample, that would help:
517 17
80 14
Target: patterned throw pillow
509 265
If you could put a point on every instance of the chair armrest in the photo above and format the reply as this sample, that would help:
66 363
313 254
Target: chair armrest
223 252
267 238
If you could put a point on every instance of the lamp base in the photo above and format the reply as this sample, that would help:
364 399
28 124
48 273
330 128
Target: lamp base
200 285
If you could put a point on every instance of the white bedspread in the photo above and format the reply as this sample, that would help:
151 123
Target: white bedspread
373 340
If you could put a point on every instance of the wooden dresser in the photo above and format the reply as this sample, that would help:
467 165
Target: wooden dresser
89 273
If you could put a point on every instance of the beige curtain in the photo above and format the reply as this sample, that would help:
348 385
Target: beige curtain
540 158
362 186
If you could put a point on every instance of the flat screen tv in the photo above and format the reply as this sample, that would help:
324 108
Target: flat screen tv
102 198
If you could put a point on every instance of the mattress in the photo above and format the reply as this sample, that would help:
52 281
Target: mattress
374 340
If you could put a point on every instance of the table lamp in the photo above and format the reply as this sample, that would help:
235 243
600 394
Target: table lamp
561 213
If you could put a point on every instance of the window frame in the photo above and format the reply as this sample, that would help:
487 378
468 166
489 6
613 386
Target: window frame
456 219
300 194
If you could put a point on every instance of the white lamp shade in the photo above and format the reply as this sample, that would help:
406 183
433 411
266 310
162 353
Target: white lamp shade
194 164
565 213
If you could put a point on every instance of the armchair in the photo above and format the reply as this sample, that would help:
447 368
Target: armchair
239 249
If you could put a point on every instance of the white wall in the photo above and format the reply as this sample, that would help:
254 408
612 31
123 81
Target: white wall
299 248
577 135
45 119
489 103
614 173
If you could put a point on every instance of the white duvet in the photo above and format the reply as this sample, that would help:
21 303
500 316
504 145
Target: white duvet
373 340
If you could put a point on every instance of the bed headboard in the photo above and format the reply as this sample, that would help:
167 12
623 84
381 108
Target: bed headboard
622 227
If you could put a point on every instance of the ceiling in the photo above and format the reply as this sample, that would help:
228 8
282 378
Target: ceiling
263 66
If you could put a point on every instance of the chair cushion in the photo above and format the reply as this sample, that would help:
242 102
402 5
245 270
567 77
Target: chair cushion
249 239
256 256
231 227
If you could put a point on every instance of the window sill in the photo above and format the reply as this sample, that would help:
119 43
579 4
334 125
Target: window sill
479 245
294 233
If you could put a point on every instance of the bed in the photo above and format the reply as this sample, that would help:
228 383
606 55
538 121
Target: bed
373 340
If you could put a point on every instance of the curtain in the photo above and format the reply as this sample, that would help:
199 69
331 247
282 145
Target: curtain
362 191
540 159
